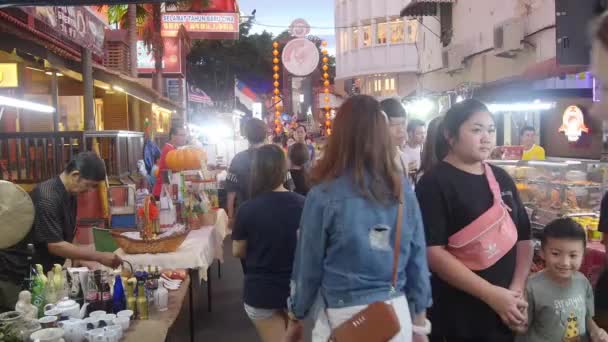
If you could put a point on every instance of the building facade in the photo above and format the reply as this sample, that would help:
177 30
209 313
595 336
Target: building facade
375 48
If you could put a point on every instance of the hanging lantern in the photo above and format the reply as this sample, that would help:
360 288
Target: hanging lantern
277 90
326 84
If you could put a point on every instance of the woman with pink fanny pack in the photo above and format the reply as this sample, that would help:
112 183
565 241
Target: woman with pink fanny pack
478 233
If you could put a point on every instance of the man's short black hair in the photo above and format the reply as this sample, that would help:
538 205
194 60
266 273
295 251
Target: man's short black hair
300 125
393 108
565 229
255 131
174 129
413 124
525 129
90 166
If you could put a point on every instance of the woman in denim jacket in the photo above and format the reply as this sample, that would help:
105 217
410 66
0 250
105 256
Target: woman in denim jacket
346 239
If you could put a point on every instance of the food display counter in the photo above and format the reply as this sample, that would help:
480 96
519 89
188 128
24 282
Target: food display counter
562 188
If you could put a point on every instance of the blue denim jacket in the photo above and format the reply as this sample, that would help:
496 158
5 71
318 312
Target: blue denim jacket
345 251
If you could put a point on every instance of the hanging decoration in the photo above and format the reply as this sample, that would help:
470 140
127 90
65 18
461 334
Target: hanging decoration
325 79
276 99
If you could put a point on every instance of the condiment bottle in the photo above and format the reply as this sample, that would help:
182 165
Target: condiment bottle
142 301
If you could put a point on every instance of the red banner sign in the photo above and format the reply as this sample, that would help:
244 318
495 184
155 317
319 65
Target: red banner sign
200 25
172 60
77 24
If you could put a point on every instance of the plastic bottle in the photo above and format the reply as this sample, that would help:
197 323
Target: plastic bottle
38 289
92 296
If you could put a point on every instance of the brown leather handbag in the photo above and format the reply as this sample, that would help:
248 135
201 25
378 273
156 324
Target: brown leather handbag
378 322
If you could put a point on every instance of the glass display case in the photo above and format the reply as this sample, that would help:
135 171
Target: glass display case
557 188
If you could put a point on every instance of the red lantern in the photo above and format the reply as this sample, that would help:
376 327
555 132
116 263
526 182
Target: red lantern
277 113
275 53
326 75
277 92
276 84
276 68
275 45
275 61
325 60
326 83
276 76
277 122
328 123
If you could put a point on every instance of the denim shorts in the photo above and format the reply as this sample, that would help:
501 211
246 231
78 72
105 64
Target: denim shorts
258 314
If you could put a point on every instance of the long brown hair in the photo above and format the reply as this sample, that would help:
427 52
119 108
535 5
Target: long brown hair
360 143
429 151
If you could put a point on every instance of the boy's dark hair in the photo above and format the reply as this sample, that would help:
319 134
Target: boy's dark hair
393 108
413 124
525 129
268 169
90 166
298 154
564 228
255 131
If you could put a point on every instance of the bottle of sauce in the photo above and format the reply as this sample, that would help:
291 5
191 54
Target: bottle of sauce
131 301
142 301
76 289
118 301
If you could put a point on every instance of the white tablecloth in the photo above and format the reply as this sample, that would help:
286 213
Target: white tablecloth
199 250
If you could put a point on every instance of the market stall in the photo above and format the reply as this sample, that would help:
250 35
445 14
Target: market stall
562 188
170 247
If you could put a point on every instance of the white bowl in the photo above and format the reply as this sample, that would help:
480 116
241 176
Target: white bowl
98 313
123 321
125 313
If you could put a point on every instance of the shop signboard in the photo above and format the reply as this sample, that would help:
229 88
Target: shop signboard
200 25
174 89
172 59
8 75
78 24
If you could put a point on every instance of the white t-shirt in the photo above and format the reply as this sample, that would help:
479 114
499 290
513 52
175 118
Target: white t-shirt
412 156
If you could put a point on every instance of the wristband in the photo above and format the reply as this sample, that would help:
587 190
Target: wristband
422 330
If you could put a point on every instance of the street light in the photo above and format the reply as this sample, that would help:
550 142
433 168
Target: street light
27 105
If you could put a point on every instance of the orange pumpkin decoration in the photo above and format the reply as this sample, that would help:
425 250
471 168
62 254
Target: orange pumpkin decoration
186 159
171 160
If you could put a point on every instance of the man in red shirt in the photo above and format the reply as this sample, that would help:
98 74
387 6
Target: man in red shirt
177 138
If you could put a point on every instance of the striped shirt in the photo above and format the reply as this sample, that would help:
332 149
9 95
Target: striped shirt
55 219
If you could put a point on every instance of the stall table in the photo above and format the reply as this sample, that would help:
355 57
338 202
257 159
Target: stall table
159 325
197 254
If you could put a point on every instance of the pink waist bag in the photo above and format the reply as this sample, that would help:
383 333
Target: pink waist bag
484 241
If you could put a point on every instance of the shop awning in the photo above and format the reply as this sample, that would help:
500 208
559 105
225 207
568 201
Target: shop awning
423 8
550 68
132 86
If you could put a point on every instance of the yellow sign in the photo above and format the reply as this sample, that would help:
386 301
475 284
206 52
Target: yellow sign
8 75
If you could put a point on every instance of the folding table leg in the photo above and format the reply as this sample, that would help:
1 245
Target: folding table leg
209 289
191 298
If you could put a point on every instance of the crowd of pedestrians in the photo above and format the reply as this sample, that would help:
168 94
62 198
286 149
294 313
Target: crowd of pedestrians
355 236
368 249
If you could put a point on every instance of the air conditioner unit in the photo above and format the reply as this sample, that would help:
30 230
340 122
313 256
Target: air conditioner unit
453 57
508 37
